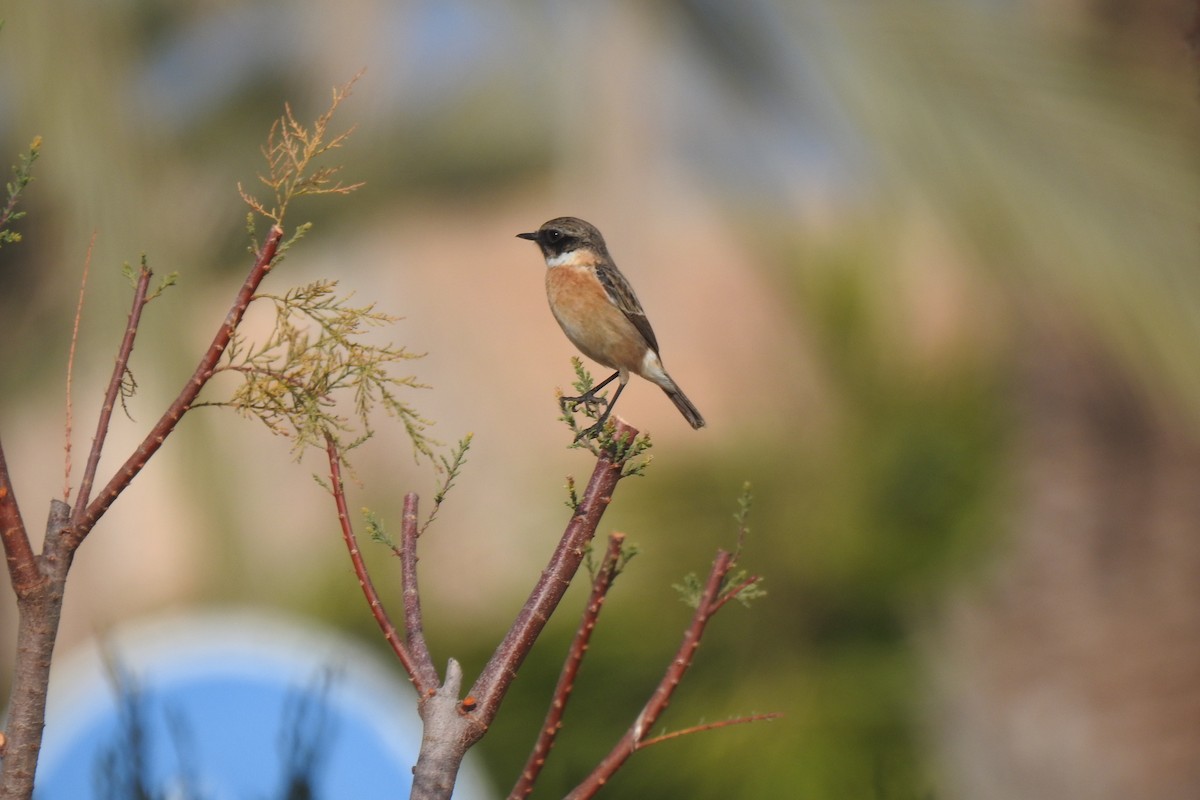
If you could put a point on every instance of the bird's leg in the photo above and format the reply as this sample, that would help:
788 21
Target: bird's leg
594 430
589 400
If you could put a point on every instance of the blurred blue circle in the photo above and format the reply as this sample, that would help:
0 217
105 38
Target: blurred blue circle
230 705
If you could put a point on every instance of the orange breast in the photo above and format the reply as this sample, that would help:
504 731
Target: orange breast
590 320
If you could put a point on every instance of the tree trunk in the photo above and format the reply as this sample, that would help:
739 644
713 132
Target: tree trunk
38 612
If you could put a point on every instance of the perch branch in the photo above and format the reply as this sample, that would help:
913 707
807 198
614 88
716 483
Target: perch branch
502 668
451 729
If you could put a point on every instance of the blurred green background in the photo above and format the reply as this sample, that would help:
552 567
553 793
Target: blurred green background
928 268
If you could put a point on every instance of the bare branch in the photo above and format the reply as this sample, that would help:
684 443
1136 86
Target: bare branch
120 368
204 370
498 674
414 626
451 728
657 704
18 552
570 671
415 673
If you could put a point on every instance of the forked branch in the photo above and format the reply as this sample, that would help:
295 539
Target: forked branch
714 596
501 669
83 523
452 725
422 675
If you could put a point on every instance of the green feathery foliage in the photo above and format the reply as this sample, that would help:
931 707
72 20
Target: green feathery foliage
22 176
317 353
449 467
291 151
735 585
742 517
164 283
375 528
628 454
572 501
627 553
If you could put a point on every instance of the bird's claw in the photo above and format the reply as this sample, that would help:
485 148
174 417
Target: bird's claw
591 403
592 431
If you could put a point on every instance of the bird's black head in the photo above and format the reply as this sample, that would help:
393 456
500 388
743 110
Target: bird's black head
564 235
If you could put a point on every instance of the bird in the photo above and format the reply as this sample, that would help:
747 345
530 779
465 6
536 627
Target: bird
597 309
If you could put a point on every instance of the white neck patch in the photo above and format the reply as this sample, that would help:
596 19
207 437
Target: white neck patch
566 259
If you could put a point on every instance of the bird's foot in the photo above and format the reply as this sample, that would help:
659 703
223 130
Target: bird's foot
592 431
592 403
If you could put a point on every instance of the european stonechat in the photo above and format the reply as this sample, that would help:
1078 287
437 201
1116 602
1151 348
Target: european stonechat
598 311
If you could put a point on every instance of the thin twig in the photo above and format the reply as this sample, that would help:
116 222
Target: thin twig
570 670
414 626
708 726
657 704
364 578
87 264
204 370
733 592
120 368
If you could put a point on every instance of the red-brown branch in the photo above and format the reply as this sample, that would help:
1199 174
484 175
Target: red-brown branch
570 670
733 592
414 625
120 367
204 370
23 570
423 686
501 669
39 610
708 726
661 698
452 726
40 581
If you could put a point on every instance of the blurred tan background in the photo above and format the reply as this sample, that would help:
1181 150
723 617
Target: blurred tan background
929 270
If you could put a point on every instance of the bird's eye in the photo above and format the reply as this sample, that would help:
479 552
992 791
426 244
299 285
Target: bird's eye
554 235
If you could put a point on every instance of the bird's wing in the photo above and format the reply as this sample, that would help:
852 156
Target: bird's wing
622 296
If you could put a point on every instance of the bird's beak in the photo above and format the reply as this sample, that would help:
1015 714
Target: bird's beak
530 236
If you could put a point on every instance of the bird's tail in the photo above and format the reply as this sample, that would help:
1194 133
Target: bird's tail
689 411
